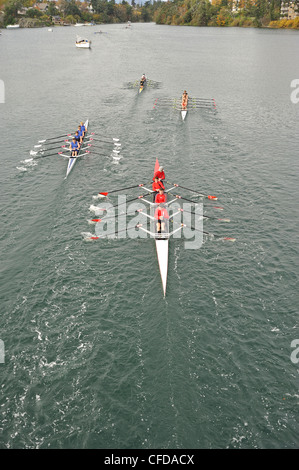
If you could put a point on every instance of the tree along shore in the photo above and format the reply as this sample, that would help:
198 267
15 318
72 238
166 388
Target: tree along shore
251 13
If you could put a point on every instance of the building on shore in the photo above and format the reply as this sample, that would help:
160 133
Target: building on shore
289 10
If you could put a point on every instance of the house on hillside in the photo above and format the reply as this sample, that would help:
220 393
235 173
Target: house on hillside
289 10
22 11
43 7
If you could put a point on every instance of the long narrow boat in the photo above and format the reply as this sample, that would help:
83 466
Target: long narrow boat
72 160
162 249
141 86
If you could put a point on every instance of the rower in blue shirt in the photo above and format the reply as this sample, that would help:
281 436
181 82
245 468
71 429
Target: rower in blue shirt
83 129
74 147
77 137
81 134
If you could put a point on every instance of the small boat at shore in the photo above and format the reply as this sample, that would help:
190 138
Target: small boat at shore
12 26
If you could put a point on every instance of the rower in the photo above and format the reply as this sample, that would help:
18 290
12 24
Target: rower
161 197
74 147
156 186
80 134
143 79
83 129
77 137
184 99
161 215
160 174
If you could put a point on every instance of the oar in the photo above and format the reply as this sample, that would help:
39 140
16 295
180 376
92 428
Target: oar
53 138
50 143
205 216
50 155
114 139
104 142
201 99
105 154
52 148
192 106
96 221
93 237
126 202
58 142
229 239
192 190
122 189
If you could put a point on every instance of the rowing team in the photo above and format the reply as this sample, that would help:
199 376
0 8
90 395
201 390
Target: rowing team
184 100
159 197
77 140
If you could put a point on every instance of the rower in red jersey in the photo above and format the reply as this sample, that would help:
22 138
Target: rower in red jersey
156 186
161 197
162 216
160 173
184 100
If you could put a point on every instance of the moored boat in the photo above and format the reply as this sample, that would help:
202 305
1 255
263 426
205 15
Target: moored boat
83 43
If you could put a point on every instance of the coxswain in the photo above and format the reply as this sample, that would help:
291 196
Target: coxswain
160 174
156 186
74 147
184 100
161 215
161 197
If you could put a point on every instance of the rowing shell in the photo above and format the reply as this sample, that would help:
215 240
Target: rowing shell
162 254
72 160
162 250
183 114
